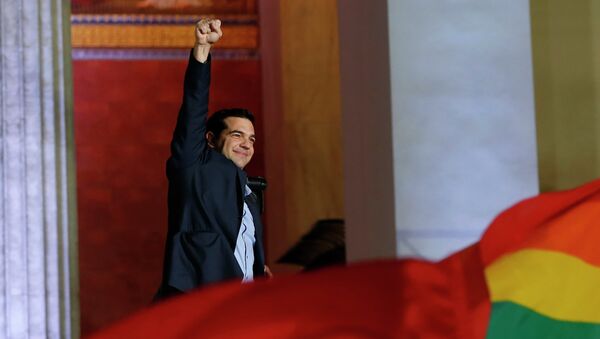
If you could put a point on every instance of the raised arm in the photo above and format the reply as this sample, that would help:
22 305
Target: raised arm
189 143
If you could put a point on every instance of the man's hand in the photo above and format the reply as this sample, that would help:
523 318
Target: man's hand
207 31
268 273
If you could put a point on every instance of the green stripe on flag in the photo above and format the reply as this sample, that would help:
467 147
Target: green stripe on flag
510 320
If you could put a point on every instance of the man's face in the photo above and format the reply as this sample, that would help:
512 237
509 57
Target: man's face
236 142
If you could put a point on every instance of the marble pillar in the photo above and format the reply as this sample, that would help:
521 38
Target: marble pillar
37 216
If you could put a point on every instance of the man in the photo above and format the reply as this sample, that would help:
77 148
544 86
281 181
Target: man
215 232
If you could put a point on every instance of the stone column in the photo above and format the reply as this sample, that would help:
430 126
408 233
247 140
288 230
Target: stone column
37 216
438 121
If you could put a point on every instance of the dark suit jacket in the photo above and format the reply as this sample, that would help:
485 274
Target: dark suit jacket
206 196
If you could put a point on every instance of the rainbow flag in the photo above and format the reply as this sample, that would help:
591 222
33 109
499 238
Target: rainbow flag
534 274
542 267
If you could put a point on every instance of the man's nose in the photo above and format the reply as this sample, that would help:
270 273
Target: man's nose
246 144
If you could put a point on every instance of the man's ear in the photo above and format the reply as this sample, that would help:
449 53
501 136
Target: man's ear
210 138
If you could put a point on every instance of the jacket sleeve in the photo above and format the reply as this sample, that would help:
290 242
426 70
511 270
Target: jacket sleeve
189 144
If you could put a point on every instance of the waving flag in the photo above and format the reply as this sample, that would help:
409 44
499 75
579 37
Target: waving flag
542 266
534 274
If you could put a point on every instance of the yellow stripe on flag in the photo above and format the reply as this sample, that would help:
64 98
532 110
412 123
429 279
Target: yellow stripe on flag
551 283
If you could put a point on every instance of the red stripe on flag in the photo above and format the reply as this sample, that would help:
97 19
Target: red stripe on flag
388 299
514 228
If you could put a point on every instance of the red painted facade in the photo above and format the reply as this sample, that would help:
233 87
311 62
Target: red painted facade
125 111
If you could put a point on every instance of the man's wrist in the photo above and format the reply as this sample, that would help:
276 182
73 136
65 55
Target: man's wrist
201 52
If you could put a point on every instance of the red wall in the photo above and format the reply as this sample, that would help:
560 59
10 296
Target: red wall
124 115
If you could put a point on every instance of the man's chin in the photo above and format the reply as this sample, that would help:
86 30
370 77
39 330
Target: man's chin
241 164
239 161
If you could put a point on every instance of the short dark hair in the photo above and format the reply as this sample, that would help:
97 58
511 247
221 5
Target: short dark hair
216 122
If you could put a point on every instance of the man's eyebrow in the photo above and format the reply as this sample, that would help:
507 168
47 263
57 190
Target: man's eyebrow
242 132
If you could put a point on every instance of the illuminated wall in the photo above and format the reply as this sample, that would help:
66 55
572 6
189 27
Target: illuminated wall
566 60
302 119
439 122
